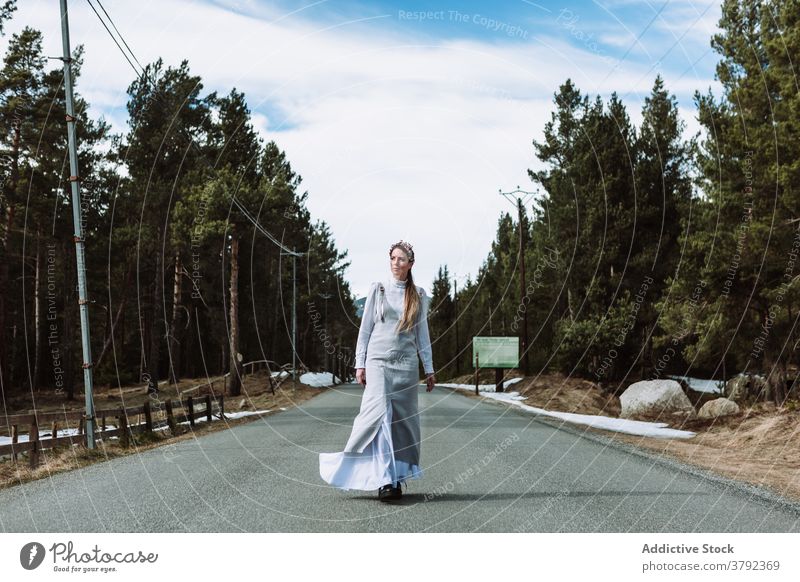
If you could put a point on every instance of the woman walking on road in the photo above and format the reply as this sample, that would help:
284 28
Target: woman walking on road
383 450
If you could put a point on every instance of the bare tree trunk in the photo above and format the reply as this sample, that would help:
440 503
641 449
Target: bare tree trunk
4 360
235 375
155 324
122 332
115 322
141 320
278 294
70 305
174 327
37 313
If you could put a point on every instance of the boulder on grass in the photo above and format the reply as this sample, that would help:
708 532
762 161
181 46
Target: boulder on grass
655 398
718 407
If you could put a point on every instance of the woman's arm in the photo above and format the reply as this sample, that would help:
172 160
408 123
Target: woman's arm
423 335
365 331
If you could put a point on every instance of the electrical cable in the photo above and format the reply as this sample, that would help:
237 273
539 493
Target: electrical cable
122 38
142 77
138 74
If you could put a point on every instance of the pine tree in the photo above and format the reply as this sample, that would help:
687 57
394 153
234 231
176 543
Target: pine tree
590 215
441 320
663 198
168 122
735 304
239 154
21 87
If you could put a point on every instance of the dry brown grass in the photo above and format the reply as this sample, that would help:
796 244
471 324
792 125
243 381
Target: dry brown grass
554 391
761 445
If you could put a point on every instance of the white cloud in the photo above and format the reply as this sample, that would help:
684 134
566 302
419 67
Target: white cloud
694 22
395 137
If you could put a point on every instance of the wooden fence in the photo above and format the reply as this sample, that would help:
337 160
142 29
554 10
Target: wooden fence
191 408
219 383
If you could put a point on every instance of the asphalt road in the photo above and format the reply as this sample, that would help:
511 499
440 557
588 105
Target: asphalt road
486 468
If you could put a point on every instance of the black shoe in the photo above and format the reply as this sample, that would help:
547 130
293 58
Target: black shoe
387 493
398 489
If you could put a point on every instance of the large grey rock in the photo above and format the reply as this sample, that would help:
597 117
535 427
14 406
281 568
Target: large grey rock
718 407
655 397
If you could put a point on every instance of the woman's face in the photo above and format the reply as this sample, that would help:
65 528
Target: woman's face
400 264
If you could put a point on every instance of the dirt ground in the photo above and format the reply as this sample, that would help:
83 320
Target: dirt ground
760 445
256 395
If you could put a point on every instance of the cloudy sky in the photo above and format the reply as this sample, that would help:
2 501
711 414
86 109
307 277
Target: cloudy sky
404 119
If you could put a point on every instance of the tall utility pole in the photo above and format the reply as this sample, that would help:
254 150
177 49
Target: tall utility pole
490 315
74 179
326 296
294 318
294 256
455 314
524 339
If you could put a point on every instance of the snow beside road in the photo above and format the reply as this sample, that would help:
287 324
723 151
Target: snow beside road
46 435
481 387
319 379
623 425
62 432
700 384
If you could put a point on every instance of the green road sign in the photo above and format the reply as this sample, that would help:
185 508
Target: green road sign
495 352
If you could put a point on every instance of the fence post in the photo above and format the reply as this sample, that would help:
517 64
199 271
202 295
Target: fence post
208 407
33 437
170 417
148 417
14 440
477 368
190 405
222 406
123 427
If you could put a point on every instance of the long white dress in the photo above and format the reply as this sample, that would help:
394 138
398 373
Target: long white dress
384 444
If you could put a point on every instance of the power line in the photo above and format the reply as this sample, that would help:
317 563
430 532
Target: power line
100 18
122 38
140 75
633 44
263 230
669 50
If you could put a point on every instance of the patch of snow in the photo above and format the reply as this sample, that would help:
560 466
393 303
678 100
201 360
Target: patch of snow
319 379
23 438
481 387
47 435
215 416
635 427
244 413
700 384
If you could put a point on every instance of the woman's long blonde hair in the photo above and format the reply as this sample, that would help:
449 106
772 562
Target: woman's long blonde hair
412 298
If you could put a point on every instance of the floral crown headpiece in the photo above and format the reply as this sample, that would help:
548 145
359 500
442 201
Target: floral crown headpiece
409 250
